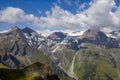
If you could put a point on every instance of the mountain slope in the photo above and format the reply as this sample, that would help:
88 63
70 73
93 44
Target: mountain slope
57 36
36 71
97 63
17 53
95 37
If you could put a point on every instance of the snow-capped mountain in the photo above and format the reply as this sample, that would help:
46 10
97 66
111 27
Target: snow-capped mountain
33 37
4 31
38 40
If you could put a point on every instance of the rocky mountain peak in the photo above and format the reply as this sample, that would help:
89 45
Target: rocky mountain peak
27 30
94 34
57 36
15 28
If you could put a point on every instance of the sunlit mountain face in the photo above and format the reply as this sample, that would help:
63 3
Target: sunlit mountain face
60 40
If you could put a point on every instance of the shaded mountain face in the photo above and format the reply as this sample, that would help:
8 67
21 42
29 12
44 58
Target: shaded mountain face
94 34
95 37
36 71
33 38
57 36
28 30
12 43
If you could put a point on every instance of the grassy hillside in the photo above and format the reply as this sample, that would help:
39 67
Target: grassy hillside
98 63
94 62
3 66
35 71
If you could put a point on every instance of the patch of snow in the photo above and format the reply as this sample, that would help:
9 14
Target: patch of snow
41 39
76 40
26 35
56 48
28 59
118 35
5 31
30 42
110 35
44 33
106 30
11 40
79 33
68 38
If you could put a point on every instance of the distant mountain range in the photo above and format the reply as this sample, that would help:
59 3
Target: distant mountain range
78 54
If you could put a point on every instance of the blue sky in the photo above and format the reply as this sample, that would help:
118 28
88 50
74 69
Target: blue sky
32 6
59 14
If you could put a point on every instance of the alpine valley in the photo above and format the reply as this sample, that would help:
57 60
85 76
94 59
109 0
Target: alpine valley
82 55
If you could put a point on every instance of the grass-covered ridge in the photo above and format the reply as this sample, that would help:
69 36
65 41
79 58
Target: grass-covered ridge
35 71
3 66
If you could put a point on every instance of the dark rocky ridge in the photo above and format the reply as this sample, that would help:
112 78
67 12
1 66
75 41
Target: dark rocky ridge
57 36
95 37
28 30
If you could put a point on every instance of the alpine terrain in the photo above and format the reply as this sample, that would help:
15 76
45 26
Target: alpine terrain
82 55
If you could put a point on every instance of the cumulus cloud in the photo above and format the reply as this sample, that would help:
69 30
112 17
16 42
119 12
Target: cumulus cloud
106 30
83 6
47 32
13 15
60 18
98 15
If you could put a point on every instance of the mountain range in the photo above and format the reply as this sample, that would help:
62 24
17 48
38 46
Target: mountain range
84 55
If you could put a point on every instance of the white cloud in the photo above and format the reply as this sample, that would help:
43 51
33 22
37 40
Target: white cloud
13 15
83 6
60 18
106 30
98 15
45 32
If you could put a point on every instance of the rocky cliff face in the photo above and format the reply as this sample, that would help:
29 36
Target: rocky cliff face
57 36
95 37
